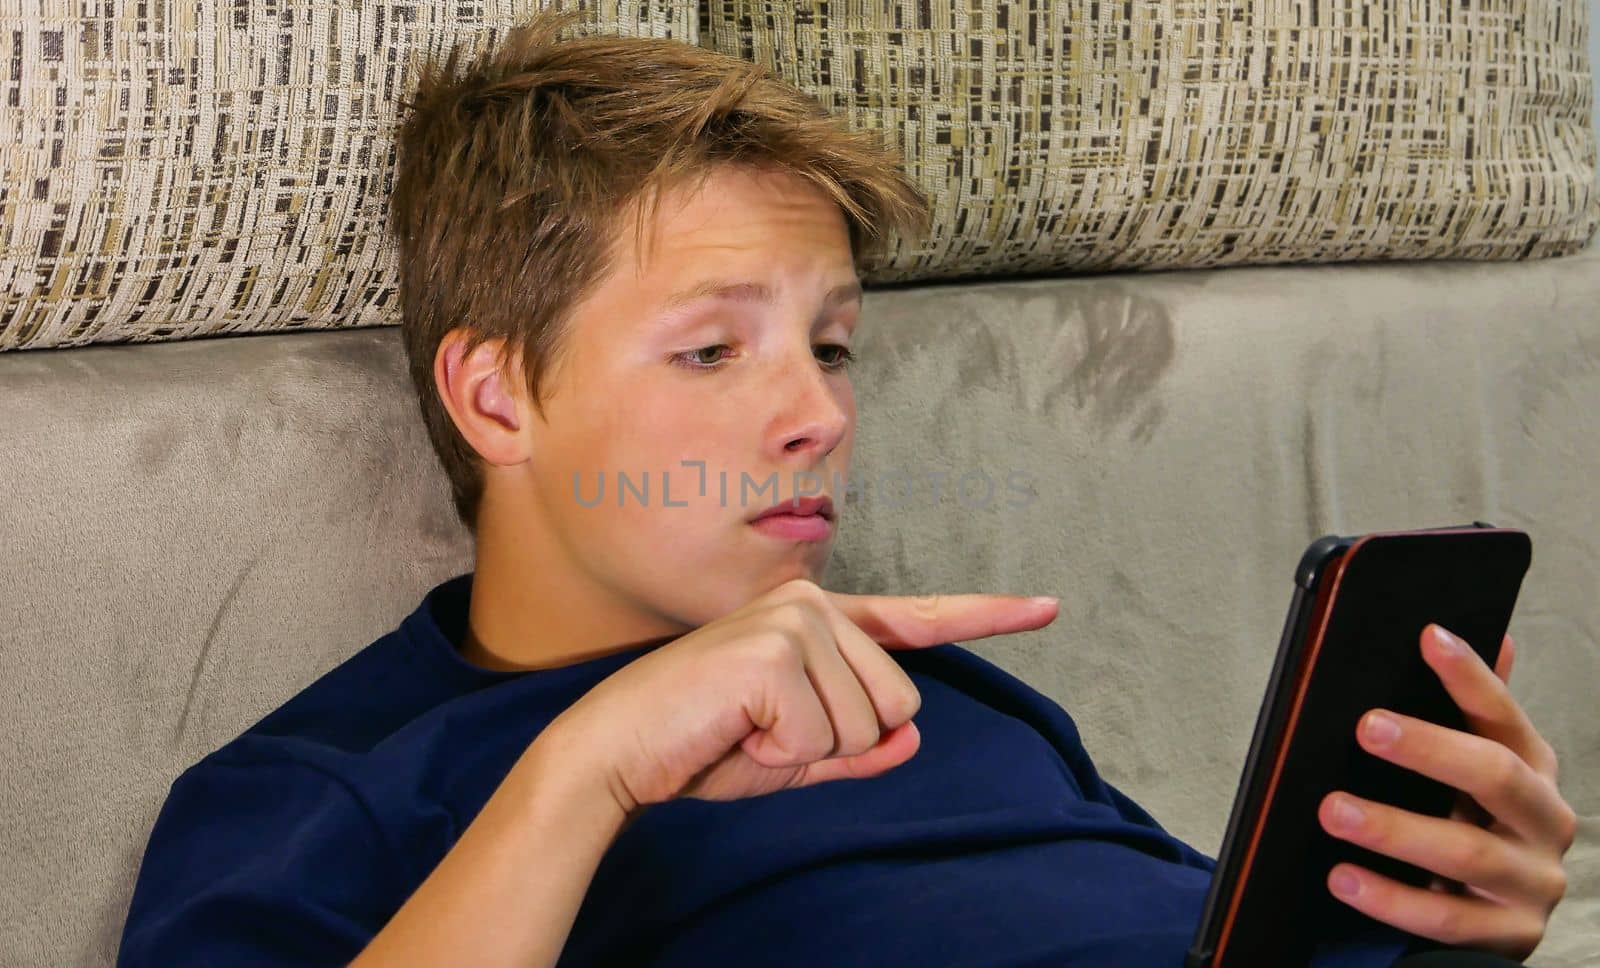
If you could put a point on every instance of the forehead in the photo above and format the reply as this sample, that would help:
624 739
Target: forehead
738 219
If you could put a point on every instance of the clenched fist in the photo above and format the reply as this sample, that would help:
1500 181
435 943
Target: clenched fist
794 688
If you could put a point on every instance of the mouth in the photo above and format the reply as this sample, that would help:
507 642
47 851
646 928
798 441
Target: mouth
820 506
809 519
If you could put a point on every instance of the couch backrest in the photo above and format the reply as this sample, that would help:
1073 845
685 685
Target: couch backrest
195 167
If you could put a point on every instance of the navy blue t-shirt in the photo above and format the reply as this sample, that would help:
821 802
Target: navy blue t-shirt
998 843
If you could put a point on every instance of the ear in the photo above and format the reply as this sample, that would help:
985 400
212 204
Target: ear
484 399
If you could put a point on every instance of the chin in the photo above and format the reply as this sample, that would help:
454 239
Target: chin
810 567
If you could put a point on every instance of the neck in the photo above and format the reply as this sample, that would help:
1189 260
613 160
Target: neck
534 607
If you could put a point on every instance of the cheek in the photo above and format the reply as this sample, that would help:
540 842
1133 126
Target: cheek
679 446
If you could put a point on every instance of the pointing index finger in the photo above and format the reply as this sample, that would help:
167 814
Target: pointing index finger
917 621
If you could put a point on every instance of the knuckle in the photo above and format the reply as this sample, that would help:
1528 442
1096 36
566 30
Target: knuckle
1568 829
1549 762
816 744
1530 934
794 617
1447 923
1473 857
859 739
803 589
912 702
1504 770
926 606
1557 888
1376 831
901 705
778 649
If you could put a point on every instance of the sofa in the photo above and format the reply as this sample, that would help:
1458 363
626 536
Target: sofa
200 518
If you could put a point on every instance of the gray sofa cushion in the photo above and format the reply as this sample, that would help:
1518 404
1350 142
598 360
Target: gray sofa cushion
193 531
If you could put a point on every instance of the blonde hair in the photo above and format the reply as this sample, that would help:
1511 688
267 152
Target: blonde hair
515 171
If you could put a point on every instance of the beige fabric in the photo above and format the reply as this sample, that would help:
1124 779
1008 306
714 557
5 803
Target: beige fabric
184 168
178 168
1196 132
194 531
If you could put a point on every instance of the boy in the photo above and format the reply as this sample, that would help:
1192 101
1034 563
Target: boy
638 731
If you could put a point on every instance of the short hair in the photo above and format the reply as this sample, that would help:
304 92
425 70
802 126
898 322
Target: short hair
514 173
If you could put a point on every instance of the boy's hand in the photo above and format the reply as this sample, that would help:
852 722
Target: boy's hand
792 689
1497 856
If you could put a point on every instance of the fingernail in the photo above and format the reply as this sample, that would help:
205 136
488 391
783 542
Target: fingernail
1451 643
1382 730
1347 814
1344 883
1044 600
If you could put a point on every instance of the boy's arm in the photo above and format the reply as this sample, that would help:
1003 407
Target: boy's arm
509 890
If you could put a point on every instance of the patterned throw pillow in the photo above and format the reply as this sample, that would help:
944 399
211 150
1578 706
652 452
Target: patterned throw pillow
180 168
1091 134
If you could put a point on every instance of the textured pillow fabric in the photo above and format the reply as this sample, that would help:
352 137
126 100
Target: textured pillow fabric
178 168
1097 135
192 167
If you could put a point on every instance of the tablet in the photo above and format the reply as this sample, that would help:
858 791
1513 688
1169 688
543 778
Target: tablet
1351 641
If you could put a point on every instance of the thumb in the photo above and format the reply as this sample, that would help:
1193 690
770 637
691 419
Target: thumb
893 748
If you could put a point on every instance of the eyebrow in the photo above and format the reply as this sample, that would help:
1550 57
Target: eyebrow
754 292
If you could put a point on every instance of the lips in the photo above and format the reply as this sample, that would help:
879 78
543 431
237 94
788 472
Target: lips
819 506
809 524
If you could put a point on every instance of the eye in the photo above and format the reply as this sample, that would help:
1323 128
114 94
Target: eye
842 357
694 360
697 360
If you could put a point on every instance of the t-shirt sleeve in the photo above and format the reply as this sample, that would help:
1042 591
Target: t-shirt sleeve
258 863
999 689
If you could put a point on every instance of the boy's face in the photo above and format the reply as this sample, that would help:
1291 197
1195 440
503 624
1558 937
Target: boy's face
745 385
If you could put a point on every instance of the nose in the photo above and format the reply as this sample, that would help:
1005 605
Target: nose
815 410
